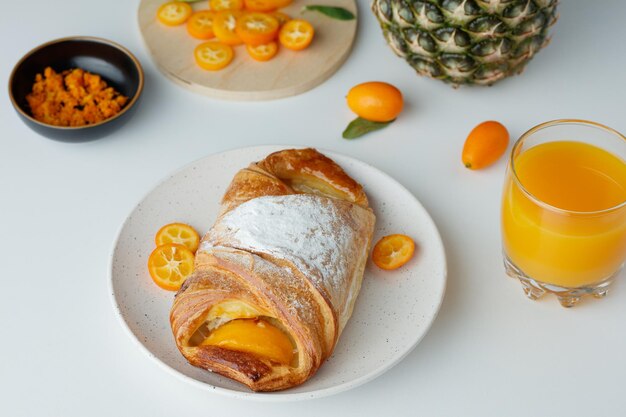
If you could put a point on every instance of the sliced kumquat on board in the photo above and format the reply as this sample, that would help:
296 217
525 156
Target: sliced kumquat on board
170 265
281 17
262 5
179 233
393 251
224 26
213 56
200 24
218 5
263 52
282 3
257 28
296 34
174 13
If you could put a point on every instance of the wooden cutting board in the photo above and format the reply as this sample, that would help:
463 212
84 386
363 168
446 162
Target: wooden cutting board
288 74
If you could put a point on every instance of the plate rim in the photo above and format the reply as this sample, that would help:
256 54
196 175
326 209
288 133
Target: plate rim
278 396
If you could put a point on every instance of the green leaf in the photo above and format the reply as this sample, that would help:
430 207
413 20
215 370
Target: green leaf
359 127
338 13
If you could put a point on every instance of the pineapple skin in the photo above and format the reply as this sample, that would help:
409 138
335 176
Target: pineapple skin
466 41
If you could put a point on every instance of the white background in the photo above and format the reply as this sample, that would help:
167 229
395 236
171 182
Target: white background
491 352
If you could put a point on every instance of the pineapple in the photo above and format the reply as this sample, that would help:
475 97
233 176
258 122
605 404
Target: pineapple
466 41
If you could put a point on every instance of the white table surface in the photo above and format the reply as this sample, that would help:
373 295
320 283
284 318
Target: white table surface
491 352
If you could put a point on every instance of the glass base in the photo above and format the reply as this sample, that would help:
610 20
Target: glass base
568 297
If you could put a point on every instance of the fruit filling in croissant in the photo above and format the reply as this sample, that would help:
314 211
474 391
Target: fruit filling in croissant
256 336
236 325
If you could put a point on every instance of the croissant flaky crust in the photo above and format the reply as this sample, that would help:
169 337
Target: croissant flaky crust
289 247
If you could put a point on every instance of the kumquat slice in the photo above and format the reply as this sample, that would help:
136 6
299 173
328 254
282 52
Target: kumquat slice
217 5
213 56
263 5
170 265
393 251
282 3
257 28
224 27
281 17
263 52
174 13
200 24
178 233
296 34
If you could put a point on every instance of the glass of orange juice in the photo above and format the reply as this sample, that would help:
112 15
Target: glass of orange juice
564 210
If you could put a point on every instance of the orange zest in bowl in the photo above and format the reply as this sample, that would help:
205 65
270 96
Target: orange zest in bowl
74 97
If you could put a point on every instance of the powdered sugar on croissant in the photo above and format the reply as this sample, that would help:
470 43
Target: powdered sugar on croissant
321 236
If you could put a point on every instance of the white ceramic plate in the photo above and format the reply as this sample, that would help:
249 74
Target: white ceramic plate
393 312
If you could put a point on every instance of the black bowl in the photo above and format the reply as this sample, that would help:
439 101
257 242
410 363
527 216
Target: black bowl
117 66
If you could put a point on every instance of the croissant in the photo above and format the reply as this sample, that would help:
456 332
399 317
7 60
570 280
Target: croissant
277 276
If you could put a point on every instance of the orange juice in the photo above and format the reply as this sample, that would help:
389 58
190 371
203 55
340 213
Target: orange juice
567 226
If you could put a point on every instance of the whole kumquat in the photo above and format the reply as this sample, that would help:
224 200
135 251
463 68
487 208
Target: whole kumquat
485 144
375 101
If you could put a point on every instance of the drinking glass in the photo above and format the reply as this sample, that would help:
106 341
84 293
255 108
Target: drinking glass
564 210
